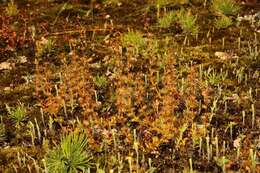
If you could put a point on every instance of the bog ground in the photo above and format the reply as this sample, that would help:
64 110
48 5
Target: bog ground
129 86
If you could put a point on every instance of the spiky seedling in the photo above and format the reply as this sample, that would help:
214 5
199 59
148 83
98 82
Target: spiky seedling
187 22
167 20
17 114
225 7
134 39
70 156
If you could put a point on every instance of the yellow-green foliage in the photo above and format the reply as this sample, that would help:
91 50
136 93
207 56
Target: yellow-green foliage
11 9
187 22
44 46
226 7
167 19
134 39
223 22
70 156
17 114
100 81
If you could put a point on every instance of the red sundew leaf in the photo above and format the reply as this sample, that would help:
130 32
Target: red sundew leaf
21 41
5 35
14 35
12 41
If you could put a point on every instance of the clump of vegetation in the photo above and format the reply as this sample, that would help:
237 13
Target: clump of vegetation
167 19
226 7
11 9
73 89
44 46
70 156
100 81
134 39
223 22
188 22
17 114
